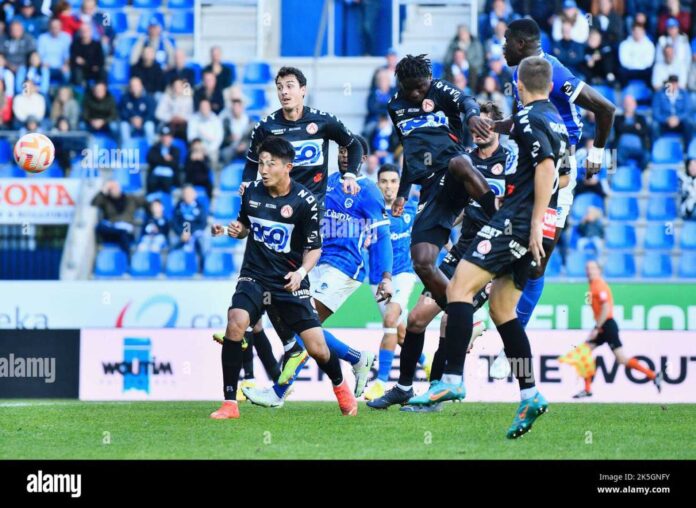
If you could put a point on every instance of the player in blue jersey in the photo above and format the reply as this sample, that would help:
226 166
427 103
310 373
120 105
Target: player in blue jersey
349 220
523 39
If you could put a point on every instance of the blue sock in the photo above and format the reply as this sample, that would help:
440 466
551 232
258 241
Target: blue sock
342 350
529 299
386 358
280 390
422 359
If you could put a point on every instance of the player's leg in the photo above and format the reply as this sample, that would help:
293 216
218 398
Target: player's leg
424 257
263 348
611 331
474 183
391 314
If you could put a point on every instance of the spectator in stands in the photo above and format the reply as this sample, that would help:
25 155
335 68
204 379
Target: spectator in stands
5 108
671 111
459 65
378 98
86 57
30 126
390 65
499 12
154 235
223 73
571 53
34 22
369 14
672 9
591 230
632 122
29 103
636 56
501 73
687 190
541 12
65 106
679 41
669 67
137 111
197 167
99 110
102 30
180 70
494 44
382 139
472 49
176 107
609 23
70 23
371 167
54 49
149 72
62 143
117 209
35 71
460 82
163 160
16 45
643 12
207 126
599 64
162 45
209 91
7 76
491 92
237 126
580 27
190 221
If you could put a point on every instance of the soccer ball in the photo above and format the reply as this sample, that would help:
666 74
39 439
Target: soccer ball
34 152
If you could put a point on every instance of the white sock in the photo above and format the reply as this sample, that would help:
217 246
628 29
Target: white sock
287 347
452 379
528 393
404 387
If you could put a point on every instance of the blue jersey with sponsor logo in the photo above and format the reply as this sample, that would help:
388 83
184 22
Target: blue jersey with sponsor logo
400 235
348 220
566 88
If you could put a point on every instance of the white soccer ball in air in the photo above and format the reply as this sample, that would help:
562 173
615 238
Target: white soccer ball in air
34 152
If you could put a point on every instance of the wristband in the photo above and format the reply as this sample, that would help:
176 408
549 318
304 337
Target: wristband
596 155
302 271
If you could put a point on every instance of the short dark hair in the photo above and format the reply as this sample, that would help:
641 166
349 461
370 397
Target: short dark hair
525 29
410 67
535 74
292 71
491 109
279 148
363 142
386 168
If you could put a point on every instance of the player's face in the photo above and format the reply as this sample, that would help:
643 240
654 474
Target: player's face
388 183
512 49
489 139
273 170
343 159
415 89
290 93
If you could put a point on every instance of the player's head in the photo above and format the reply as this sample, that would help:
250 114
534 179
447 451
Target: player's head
522 39
414 74
275 161
534 79
343 153
491 111
388 179
291 86
593 270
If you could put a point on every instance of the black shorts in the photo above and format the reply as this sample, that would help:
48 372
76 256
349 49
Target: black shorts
294 309
451 260
608 334
440 203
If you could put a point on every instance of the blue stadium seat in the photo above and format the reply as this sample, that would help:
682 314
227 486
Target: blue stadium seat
116 91
144 20
181 263
139 147
691 154
233 70
119 72
124 45
607 92
659 235
687 265
583 202
620 264
166 200
147 4
639 90
668 150
181 22
111 262
626 179
620 236
145 264
11 171
129 178
218 264
197 71
101 142
546 44
623 208
657 265
438 70
553 268
256 98
112 4
630 147
183 149
53 171
575 263
5 151
663 180
688 235
257 73
231 177
227 205
180 4
118 20
662 208
224 242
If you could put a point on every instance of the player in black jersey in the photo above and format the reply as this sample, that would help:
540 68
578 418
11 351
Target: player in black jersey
281 219
492 160
507 246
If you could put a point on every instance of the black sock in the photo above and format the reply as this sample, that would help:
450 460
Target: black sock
518 351
332 369
265 352
460 323
248 356
231 365
411 350
481 298
487 202
438 362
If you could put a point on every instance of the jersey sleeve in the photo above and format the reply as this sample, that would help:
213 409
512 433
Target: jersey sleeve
450 95
310 226
532 136
243 217
251 168
566 86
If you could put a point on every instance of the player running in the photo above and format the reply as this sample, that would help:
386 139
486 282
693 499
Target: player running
492 159
348 221
606 330
284 245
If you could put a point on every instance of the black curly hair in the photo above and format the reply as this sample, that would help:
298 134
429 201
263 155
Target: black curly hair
410 67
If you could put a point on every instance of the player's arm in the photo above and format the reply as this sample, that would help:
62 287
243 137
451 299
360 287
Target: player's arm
237 228
504 126
382 250
468 105
544 177
309 229
343 137
604 112
251 166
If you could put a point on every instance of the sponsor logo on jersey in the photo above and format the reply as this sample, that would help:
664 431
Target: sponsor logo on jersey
400 112
308 152
497 169
271 205
274 235
438 119
496 185
348 203
489 232
428 105
312 128
407 218
516 249
399 236
286 211
254 204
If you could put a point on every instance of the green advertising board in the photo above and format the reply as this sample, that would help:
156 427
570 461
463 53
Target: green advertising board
563 306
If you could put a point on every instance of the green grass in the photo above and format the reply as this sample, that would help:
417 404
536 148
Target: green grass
182 430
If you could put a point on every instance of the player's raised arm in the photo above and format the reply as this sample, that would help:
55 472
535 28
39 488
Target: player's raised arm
604 112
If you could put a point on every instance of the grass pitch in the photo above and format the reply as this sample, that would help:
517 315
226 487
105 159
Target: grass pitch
315 430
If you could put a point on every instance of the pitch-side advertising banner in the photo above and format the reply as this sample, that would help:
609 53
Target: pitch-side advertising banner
38 200
168 364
